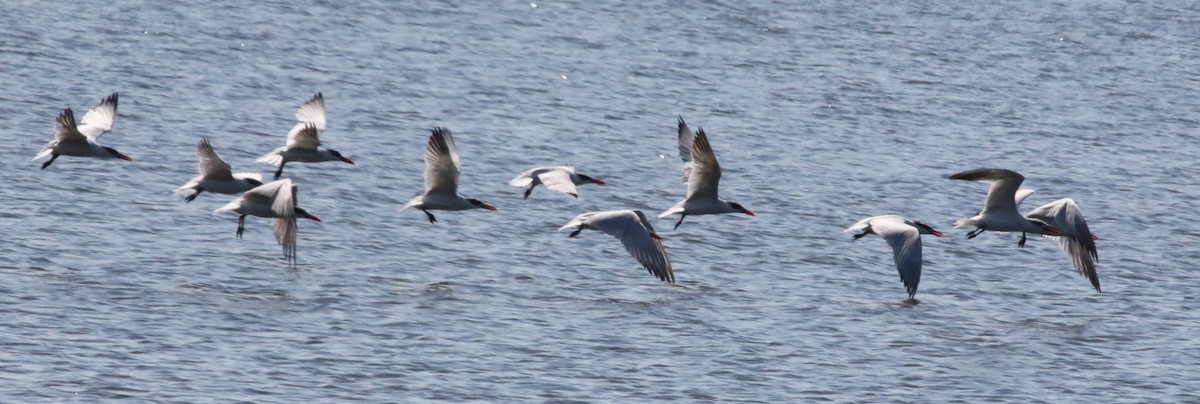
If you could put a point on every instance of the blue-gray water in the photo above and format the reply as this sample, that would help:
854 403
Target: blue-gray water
821 112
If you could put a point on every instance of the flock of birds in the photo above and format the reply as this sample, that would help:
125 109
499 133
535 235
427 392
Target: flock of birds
1061 219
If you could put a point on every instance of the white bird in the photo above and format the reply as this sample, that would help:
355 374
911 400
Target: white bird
81 140
634 231
275 200
701 173
559 179
304 146
217 176
441 178
1061 219
905 238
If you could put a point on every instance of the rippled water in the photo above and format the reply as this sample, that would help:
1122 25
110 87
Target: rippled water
821 113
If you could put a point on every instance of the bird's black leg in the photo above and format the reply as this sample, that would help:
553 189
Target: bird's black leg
280 170
431 218
681 216
576 232
241 225
1022 242
193 196
974 233
47 163
529 191
861 235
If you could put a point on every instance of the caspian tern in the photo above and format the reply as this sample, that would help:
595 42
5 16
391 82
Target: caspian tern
701 173
217 176
441 178
559 179
275 200
81 140
1061 219
905 238
304 146
634 231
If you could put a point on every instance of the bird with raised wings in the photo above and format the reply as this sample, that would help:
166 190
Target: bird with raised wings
702 174
216 175
441 178
276 200
1061 219
904 236
82 140
304 146
635 233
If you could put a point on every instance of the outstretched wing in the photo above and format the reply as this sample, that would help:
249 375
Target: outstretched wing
313 111
1076 239
705 171
211 164
686 139
559 180
1003 192
441 163
304 135
285 219
1021 195
905 241
99 120
65 129
634 232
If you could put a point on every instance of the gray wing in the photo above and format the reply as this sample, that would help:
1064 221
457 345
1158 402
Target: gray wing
305 135
558 179
705 171
285 220
906 249
686 139
211 165
313 111
1003 192
1021 195
1076 239
632 228
65 129
441 163
99 120
525 178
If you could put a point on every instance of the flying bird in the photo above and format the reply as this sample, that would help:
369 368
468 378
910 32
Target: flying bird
304 146
559 179
1061 219
217 176
701 173
82 140
275 200
441 178
905 238
635 233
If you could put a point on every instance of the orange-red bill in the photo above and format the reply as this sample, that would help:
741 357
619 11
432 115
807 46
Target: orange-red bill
489 207
655 236
935 232
346 160
599 181
311 217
